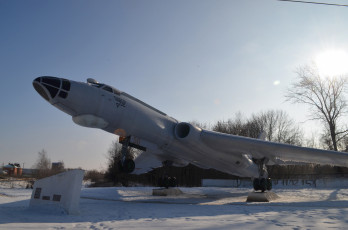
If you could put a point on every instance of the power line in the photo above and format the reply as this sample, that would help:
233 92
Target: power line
317 3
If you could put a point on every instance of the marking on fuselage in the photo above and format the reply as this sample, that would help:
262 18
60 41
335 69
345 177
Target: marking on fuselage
120 102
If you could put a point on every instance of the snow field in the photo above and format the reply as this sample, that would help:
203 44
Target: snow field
198 208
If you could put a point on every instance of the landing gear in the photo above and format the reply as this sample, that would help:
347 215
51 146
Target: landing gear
167 182
126 165
262 183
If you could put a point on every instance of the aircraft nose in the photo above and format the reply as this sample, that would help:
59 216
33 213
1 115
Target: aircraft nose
38 79
50 87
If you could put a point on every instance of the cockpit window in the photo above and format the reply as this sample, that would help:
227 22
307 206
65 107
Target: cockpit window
116 91
51 81
66 85
53 91
95 85
107 88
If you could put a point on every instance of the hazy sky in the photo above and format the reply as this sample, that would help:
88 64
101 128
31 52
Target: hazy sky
199 60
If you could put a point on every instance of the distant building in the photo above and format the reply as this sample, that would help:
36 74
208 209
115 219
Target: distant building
57 166
29 171
13 169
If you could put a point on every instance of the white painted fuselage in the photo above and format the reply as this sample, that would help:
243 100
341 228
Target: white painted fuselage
101 106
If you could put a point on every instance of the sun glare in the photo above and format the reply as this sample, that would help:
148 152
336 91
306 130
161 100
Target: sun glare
332 63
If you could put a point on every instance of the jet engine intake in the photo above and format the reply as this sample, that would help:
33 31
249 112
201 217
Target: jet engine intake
186 131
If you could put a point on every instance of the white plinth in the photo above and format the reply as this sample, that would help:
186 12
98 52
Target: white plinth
166 192
262 196
61 191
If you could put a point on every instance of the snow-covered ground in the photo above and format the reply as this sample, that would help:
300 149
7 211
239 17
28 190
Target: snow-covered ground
323 207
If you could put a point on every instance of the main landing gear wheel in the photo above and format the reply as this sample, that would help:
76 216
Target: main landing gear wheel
262 184
168 182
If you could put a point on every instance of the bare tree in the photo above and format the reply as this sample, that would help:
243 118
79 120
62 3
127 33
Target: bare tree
312 141
114 157
236 126
43 164
199 124
324 97
279 127
276 124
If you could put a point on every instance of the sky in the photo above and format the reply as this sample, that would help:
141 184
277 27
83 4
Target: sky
199 60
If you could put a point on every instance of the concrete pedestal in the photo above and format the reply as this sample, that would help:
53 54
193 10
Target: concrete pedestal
261 196
61 191
166 192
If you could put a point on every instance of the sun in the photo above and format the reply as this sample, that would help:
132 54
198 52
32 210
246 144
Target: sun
332 63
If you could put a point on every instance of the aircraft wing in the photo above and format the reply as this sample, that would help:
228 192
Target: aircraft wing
271 150
145 162
148 161
233 154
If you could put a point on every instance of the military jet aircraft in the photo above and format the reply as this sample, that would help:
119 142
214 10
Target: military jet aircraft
163 138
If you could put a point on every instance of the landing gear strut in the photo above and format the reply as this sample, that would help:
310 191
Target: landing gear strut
165 180
262 183
126 165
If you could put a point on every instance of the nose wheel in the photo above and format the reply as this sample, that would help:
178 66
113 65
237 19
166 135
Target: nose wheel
126 164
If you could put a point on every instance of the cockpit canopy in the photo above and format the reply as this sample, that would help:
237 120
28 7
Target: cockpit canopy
105 87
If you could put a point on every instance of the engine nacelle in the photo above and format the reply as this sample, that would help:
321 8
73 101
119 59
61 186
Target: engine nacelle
186 132
90 120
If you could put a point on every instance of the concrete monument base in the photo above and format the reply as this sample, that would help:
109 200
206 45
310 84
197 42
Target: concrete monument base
166 192
261 196
58 192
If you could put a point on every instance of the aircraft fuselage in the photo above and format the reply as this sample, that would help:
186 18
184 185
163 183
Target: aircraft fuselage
101 106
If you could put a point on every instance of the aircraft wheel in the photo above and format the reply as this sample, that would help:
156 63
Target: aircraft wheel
163 182
256 184
167 182
263 184
128 166
269 184
172 181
